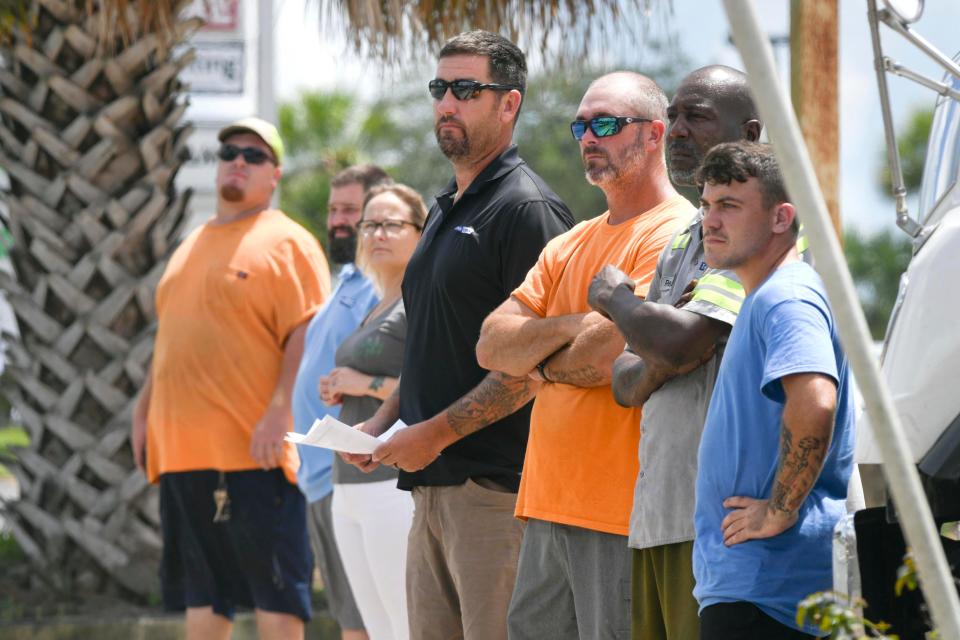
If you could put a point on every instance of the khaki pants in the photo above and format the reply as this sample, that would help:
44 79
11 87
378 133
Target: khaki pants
663 604
462 562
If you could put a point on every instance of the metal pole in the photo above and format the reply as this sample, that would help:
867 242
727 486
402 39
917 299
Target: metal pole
915 517
266 103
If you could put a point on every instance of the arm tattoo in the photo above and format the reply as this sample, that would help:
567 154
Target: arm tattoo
585 376
497 396
797 470
376 383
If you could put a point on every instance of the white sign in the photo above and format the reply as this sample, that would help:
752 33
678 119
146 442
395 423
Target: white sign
218 15
199 172
217 69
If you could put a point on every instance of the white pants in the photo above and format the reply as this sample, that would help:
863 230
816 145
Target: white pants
371 521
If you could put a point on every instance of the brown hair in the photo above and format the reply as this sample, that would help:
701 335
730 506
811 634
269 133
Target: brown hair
366 175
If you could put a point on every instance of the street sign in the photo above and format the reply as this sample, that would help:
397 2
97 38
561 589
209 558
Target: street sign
217 69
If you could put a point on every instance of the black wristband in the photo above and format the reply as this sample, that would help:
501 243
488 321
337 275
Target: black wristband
541 368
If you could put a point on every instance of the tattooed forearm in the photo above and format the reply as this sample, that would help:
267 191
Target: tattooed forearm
797 470
497 396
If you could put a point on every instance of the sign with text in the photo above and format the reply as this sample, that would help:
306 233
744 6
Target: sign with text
217 69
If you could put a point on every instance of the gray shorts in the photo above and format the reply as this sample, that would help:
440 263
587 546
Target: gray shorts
572 583
343 608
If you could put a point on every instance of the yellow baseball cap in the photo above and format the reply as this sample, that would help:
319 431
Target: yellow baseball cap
261 128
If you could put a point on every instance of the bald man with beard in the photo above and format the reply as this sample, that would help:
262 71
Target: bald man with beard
674 347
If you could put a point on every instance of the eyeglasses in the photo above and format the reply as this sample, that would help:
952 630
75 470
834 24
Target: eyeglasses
463 89
603 126
251 155
390 227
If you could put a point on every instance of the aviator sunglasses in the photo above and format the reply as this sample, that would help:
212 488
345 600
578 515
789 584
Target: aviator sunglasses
464 89
251 155
602 126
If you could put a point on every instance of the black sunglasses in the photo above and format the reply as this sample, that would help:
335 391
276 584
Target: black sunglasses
602 126
251 155
464 89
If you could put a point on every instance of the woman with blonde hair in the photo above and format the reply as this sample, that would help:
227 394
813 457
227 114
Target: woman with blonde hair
371 517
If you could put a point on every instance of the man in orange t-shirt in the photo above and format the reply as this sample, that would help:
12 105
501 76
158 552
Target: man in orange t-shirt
232 310
581 463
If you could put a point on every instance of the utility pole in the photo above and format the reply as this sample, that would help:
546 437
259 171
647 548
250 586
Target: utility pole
814 46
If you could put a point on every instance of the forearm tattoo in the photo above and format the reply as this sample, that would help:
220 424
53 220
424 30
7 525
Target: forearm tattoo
376 383
497 396
797 470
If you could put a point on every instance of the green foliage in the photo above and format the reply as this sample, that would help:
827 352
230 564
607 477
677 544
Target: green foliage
876 263
912 143
841 617
10 439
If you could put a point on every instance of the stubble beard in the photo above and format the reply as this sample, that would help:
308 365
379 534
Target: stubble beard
453 148
631 160
685 176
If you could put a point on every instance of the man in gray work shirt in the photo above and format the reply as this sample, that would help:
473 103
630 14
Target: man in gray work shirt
672 359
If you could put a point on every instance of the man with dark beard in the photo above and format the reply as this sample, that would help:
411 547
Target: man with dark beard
232 310
352 299
581 463
482 236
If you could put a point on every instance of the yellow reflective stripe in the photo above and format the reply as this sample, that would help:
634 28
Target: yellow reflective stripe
716 298
728 285
802 244
681 241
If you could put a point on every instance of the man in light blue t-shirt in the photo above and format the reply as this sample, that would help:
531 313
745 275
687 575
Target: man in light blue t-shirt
352 299
777 447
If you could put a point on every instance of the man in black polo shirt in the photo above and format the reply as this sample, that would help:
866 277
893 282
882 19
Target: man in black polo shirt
482 236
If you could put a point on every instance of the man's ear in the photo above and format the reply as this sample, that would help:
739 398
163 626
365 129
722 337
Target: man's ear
750 130
277 173
783 217
510 106
657 131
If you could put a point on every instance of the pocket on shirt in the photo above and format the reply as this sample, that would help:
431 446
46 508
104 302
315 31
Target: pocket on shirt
229 288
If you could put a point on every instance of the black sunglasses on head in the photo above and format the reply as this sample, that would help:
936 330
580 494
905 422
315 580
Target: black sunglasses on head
602 126
463 89
251 155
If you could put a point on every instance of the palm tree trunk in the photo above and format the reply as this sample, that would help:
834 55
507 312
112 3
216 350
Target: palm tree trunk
91 139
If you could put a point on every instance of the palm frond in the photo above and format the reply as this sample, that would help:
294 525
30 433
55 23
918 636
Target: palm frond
394 31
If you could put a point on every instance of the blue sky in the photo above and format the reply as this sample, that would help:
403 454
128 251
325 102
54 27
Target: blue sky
704 40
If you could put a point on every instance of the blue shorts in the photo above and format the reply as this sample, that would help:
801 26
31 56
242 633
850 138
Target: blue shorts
259 558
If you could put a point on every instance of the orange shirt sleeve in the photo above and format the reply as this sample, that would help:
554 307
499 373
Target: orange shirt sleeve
536 287
301 286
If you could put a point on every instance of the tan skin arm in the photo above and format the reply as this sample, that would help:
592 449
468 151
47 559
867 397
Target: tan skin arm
806 432
266 445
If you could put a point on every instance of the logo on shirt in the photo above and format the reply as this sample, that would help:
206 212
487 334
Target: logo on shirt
466 230
703 266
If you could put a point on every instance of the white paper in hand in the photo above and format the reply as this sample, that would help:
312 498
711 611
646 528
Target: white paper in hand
399 425
330 433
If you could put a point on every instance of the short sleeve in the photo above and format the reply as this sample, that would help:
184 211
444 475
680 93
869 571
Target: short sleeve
718 295
532 225
653 290
300 286
797 339
536 287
